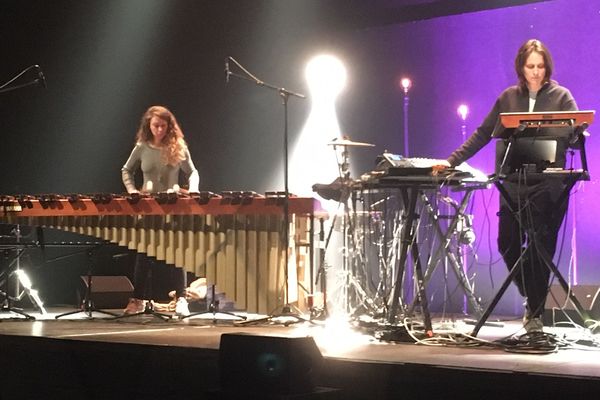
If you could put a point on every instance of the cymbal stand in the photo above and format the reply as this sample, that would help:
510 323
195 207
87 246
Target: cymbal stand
345 174
213 308
353 294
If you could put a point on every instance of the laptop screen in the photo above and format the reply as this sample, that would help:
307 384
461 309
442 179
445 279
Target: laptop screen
533 154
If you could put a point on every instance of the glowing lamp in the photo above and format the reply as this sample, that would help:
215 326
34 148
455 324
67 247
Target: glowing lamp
462 111
406 84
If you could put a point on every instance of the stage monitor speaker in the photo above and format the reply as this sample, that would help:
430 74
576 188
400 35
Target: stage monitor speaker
268 365
107 291
559 310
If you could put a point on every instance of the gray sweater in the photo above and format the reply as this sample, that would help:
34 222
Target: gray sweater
158 177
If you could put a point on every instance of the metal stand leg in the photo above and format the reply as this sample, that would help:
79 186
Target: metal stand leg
7 302
444 250
408 236
88 307
546 259
213 309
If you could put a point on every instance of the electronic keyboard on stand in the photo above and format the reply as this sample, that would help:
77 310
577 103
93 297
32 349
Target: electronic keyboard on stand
407 189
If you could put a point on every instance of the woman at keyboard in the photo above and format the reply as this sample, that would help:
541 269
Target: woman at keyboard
538 210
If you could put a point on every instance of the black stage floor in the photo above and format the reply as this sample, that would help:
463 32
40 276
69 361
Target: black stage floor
146 358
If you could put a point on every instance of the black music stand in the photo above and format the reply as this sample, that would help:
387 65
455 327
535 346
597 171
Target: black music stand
577 121
87 307
284 94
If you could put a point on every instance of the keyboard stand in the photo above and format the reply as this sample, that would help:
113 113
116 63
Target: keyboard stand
409 195
546 258
443 249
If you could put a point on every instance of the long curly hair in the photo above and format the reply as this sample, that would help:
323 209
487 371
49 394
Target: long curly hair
173 144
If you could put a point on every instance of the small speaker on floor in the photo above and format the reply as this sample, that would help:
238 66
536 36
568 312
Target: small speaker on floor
558 309
268 365
107 291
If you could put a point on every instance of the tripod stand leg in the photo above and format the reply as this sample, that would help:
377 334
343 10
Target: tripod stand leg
9 309
88 307
213 309
585 316
148 310
490 308
421 290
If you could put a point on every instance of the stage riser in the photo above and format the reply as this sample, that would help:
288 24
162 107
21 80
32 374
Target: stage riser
43 368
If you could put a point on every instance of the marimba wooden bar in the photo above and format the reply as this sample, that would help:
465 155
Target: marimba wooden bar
235 242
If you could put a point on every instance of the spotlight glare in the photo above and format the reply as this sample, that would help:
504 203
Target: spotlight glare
326 74
463 111
312 159
23 279
406 84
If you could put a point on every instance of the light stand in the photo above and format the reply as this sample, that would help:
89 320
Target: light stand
286 311
406 84
462 112
7 302
22 279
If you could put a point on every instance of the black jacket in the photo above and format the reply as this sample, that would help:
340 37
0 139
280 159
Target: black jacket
551 97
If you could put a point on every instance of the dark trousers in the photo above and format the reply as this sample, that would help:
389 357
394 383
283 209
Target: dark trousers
142 272
535 222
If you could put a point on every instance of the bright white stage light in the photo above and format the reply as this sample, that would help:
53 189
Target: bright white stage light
312 160
23 279
463 111
326 77
33 294
406 84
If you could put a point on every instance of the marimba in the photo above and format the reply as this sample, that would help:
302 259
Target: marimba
233 239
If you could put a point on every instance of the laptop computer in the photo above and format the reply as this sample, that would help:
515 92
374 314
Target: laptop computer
531 154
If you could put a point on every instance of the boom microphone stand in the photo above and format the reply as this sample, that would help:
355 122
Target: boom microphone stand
285 94
40 80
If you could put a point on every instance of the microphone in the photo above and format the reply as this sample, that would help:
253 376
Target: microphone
227 70
41 78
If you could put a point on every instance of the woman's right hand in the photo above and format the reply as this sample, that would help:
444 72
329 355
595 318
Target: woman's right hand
436 169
